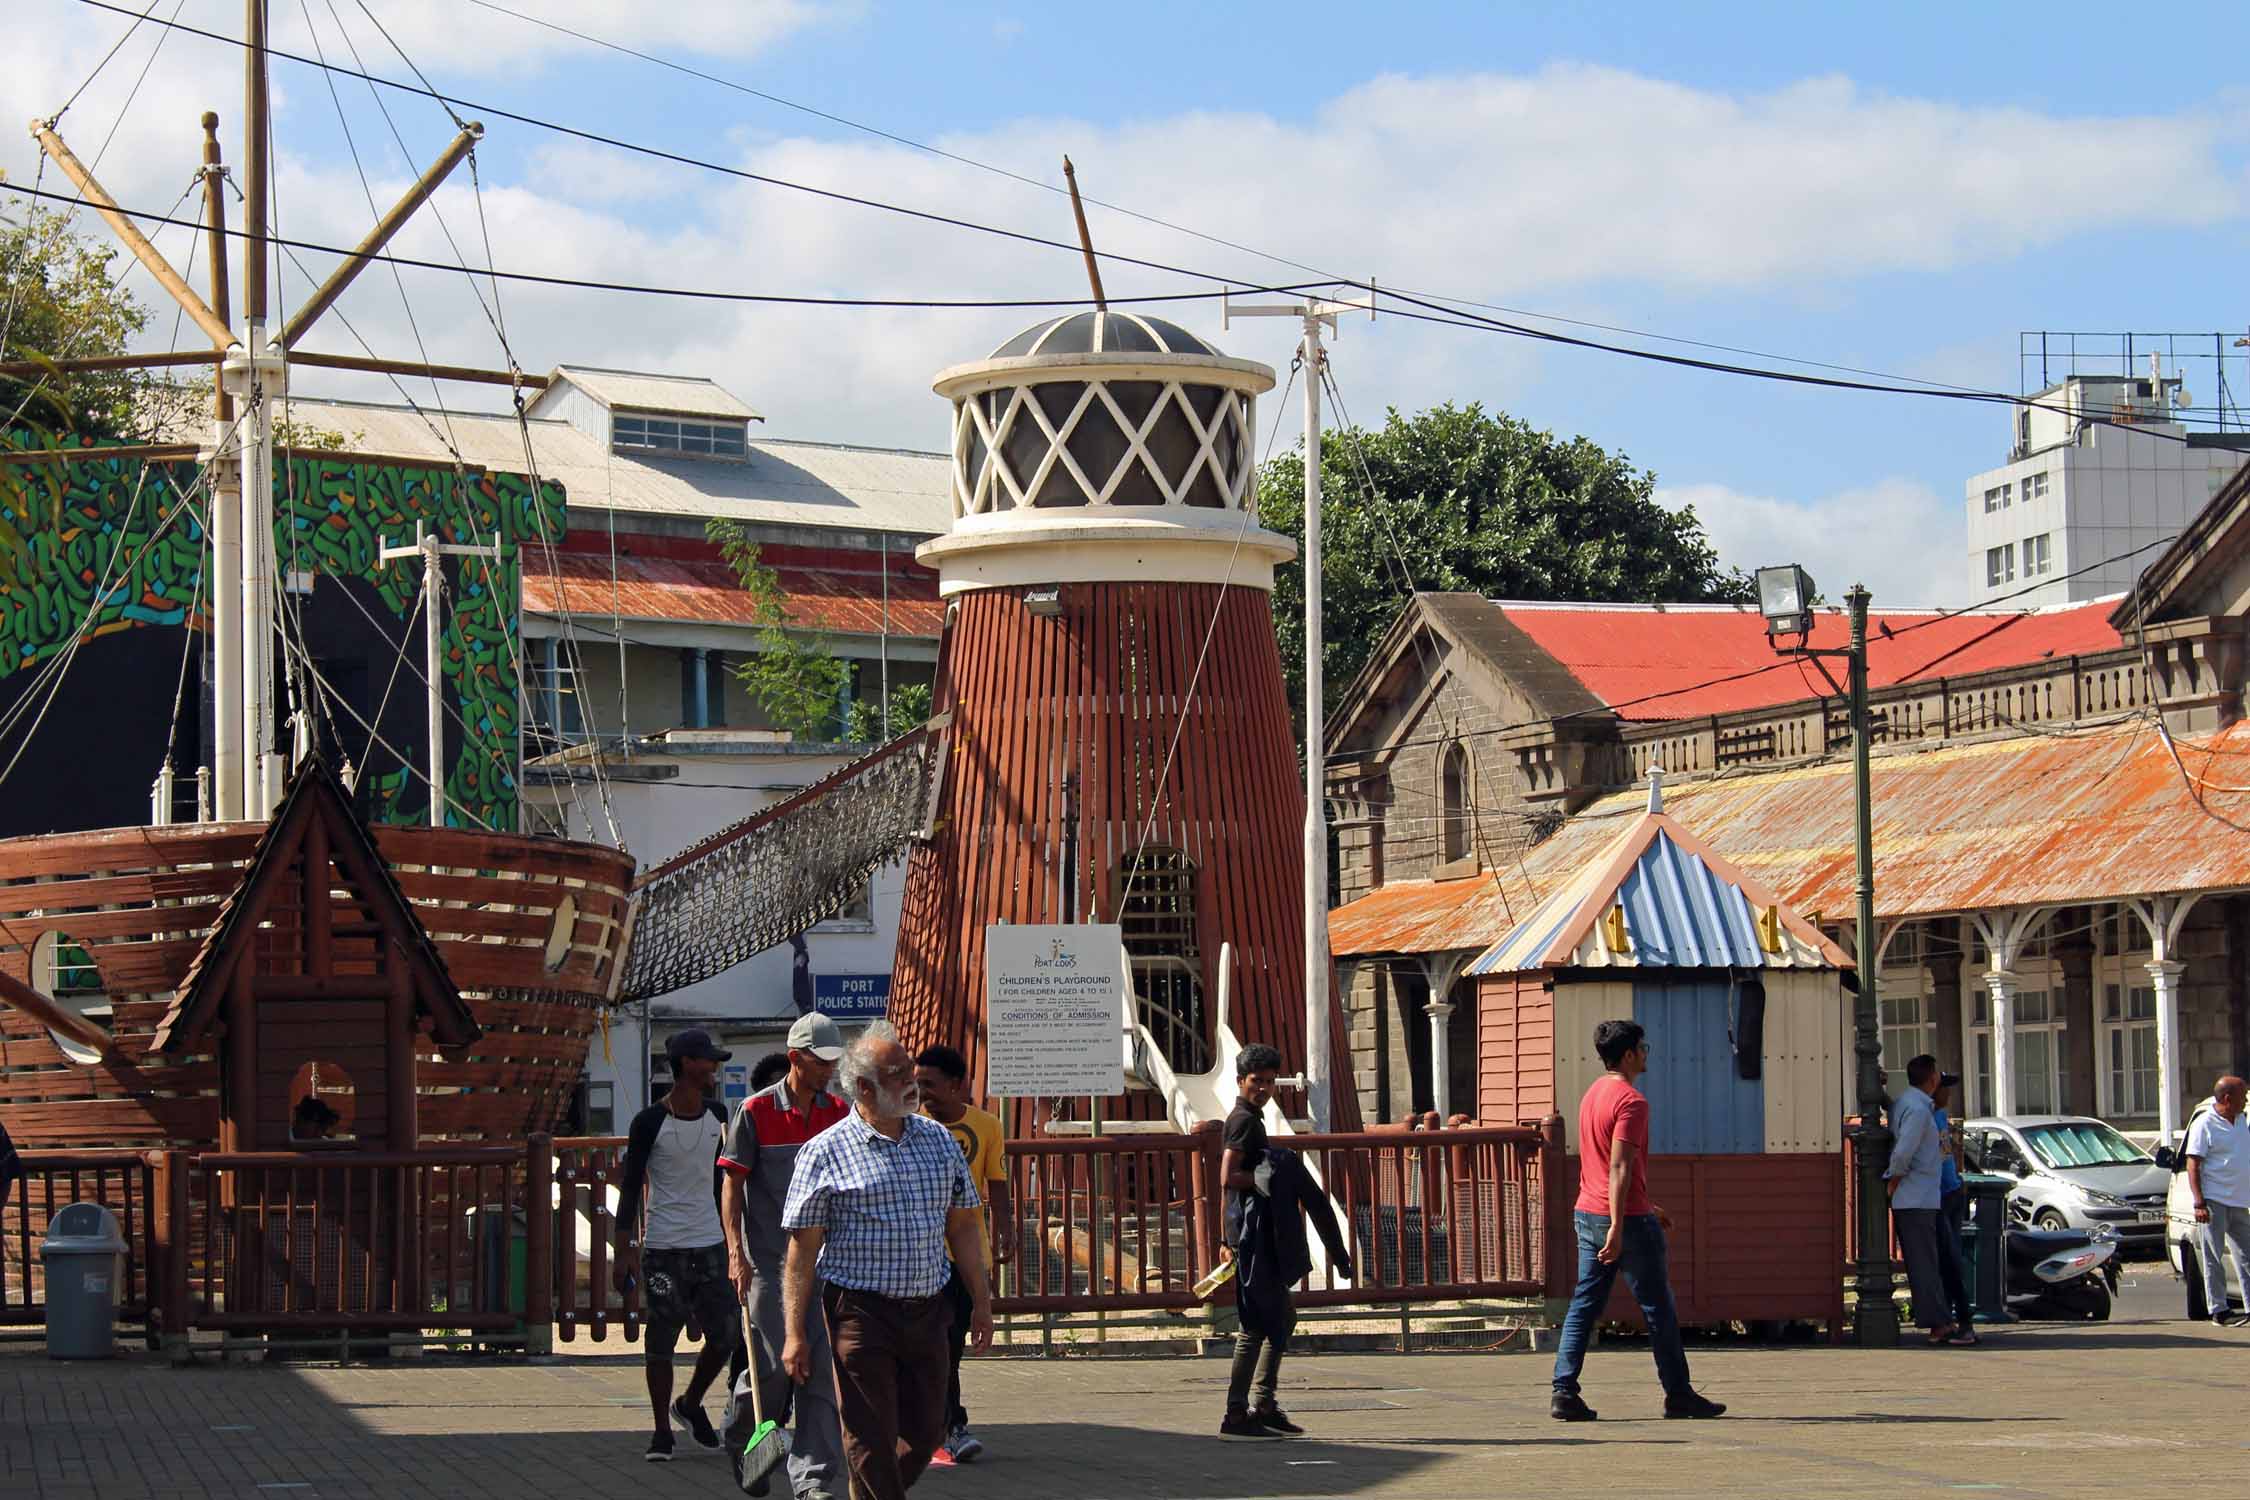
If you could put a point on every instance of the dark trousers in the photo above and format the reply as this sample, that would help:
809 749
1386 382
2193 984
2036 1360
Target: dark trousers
890 1384
956 1344
1257 1370
1645 1264
1953 1266
1918 1234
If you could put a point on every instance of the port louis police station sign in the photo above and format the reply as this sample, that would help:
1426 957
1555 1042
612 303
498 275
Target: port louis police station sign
1054 1011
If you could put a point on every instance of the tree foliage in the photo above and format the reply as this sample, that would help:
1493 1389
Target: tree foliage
1461 500
798 682
60 299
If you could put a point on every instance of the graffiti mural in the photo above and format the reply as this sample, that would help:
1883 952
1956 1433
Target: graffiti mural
123 542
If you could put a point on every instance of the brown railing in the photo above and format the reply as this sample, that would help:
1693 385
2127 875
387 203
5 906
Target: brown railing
1130 1223
586 1173
122 1181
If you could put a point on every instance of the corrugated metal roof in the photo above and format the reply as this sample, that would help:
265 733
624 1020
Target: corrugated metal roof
637 390
778 483
1657 661
1684 907
1421 916
706 591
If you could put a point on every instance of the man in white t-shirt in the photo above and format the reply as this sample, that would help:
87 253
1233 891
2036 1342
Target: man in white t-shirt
673 1150
2218 1174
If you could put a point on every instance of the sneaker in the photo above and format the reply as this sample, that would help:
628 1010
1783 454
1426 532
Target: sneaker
941 1457
659 1449
1566 1407
965 1446
697 1425
1278 1420
1242 1424
1692 1408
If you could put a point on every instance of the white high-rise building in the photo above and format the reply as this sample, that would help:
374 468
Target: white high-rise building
2099 477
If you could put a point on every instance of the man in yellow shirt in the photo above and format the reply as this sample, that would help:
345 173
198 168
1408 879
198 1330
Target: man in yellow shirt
943 1076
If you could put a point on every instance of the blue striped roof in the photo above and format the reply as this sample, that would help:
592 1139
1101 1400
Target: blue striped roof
1682 911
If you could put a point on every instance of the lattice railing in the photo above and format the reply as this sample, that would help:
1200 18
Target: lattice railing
771 876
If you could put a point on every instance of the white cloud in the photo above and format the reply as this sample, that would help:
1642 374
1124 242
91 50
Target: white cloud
1897 536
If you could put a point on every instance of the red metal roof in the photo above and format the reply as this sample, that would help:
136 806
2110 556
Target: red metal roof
2033 821
687 582
1651 661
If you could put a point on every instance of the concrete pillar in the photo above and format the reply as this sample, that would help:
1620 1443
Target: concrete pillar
2001 984
1944 964
2165 974
2080 1003
1441 1057
699 689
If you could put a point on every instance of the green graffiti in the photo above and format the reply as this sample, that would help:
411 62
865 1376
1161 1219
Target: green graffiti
65 526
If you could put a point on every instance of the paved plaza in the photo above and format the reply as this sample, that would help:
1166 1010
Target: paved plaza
2040 1410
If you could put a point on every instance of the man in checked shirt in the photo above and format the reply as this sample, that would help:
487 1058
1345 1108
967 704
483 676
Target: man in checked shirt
877 1202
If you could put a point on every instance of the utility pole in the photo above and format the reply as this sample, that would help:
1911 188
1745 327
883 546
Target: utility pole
431 551
1313 360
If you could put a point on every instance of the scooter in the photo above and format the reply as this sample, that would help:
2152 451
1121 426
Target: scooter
2061 1273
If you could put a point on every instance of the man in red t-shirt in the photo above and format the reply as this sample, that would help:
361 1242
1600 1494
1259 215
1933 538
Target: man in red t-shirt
1619 1229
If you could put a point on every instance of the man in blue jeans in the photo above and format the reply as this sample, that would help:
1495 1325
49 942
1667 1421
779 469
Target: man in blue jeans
1620 1230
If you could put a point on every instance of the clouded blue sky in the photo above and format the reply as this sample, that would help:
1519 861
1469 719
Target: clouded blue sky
1901 188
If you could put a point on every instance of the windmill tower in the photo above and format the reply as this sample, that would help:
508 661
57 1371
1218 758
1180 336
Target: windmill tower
1119 745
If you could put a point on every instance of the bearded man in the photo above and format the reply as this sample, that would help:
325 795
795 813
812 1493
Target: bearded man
877 1202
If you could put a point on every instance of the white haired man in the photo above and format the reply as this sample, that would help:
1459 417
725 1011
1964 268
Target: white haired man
877 1202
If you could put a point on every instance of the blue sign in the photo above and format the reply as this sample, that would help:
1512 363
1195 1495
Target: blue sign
852 997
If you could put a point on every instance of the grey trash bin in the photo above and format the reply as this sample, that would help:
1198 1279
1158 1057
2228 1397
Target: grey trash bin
85 1259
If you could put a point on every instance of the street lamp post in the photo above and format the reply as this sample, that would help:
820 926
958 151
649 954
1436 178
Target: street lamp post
1785 599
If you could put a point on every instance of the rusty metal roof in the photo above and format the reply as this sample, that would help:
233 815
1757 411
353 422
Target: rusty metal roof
639 390
824 589
1422 916
2047 819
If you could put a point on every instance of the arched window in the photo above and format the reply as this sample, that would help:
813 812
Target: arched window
323 1103
1453 792
1156 909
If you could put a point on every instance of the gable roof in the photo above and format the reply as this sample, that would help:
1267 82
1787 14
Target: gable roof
1412 917
314 793
1684 661
638 390
1683 904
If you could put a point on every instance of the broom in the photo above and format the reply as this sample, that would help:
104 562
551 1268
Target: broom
768 1446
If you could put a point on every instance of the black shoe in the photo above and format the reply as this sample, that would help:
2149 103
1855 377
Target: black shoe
1565 1407
1692 1408
1242 1424
659 1449
1277 1420
698 1425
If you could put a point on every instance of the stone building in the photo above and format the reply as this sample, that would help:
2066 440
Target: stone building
2061 809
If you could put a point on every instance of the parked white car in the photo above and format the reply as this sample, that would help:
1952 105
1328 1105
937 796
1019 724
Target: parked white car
2072 1172
2180 1229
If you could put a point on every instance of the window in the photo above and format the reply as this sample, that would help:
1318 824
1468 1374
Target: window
323 1103
2035 486
2128 1050
2039 1046
1909 1026
1156 910
2083 1145
1453 776
856 915
63 972
677 435
2038 559
2000 564
1997 498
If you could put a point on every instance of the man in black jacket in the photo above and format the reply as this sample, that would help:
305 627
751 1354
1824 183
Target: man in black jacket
673 1150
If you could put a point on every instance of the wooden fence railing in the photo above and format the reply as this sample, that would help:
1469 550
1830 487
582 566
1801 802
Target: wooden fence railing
512 1243
122 1181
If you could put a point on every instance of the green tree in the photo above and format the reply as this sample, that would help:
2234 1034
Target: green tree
797 681
909 707
60 299
1461 500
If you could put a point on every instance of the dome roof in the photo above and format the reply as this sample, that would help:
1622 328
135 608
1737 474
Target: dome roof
1104 333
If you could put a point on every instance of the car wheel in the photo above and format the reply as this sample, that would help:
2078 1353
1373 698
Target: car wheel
2191 1274
2048 1218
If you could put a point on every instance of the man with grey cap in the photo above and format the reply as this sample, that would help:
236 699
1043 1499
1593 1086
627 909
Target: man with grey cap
769 1129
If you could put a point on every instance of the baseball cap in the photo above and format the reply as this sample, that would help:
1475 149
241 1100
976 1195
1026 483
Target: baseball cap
694 1043
816 1034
